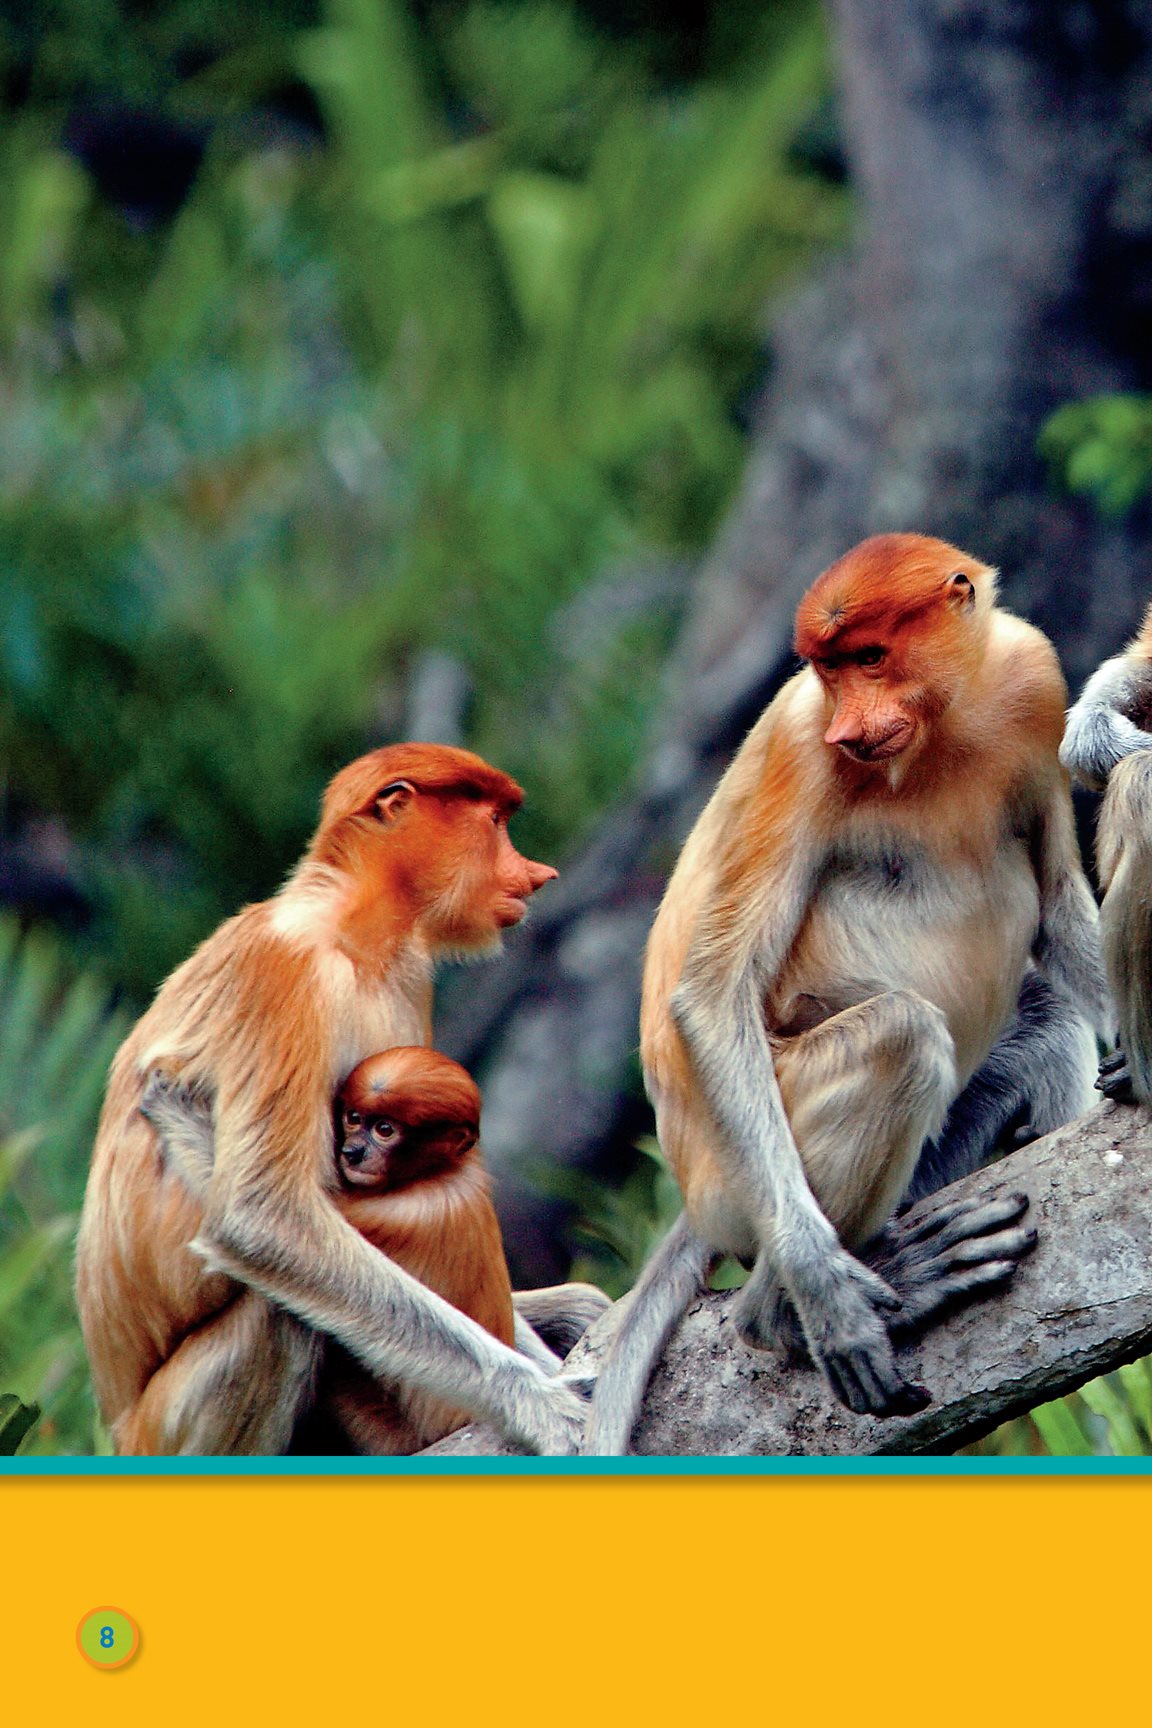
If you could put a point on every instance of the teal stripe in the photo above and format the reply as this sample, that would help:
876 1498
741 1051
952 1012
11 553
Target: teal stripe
576 1467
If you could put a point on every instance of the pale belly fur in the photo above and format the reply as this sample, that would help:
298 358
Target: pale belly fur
962 943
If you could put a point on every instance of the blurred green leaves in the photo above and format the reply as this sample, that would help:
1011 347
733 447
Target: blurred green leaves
420 384
16 1420
1102 446
57 1037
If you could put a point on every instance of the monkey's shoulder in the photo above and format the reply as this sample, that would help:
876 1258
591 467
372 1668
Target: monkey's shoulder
231 990
1022 683
781 753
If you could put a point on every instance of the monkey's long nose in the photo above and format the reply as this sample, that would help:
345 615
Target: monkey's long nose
538 874
847 727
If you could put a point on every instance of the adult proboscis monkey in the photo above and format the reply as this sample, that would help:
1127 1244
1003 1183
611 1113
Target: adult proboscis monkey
877 951
205 1319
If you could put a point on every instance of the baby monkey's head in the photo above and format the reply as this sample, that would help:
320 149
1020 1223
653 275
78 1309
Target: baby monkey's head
405 1115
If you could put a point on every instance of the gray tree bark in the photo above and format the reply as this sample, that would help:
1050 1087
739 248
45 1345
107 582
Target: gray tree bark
1002 266
1079 1306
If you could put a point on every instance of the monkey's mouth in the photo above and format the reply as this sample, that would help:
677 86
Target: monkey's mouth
510 911
357 1177
879 749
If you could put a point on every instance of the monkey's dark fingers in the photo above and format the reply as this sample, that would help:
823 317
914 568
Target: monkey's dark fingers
162 1101
971 1251
165 1100
942 1222
1109 1064
871 1385
1116 1083
949 1292
875 1286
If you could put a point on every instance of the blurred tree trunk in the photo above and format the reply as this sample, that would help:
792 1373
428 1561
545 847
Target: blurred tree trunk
1003 266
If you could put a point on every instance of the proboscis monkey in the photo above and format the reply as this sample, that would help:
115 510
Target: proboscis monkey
411 1180
877 951
1108 746
179 1296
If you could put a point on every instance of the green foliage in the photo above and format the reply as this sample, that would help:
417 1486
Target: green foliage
423 387
1110 1417
617 1228
57 1037
16 1420
1102 446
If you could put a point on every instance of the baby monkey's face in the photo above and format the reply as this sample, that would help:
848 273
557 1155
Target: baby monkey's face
403 1116
368 1149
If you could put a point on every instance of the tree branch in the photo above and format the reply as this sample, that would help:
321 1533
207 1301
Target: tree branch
1078 1307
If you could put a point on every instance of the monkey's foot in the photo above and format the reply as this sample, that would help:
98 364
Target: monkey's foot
942 1252
849 1341
1115 1078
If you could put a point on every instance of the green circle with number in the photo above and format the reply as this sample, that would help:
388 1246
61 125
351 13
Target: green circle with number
108 1637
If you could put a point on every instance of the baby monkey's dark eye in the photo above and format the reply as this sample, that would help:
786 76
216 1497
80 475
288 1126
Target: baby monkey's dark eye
870 656
351 1118
383 1130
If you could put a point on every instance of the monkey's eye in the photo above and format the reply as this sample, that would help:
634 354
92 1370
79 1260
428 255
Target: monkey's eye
352 1118
869 656
383 1130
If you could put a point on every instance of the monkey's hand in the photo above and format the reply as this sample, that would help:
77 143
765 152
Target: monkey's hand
182 1117
1115 1078
842 1307
550 1418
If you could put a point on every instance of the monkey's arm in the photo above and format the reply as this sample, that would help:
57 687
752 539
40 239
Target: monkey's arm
1098 733
1124 862
291 1245
183 1120
1067 945
1040 1071
741 942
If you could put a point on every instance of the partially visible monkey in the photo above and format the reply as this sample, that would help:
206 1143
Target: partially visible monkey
878 929
1108 746
204 1320
414 1185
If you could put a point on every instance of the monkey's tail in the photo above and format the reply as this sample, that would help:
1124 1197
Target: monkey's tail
663 1291
1124 855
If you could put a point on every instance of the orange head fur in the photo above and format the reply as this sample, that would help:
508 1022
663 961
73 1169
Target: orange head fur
423 829
892 630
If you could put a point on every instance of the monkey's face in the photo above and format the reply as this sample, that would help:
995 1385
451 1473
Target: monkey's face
379 1153
892 630
478 883
368 1149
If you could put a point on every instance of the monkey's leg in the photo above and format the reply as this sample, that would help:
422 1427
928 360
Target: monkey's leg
237 1385
558 1316
1124 854
1040 1072
862 1092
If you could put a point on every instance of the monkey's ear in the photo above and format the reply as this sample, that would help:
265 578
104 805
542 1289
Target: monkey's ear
461 1139
394 799
961 593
